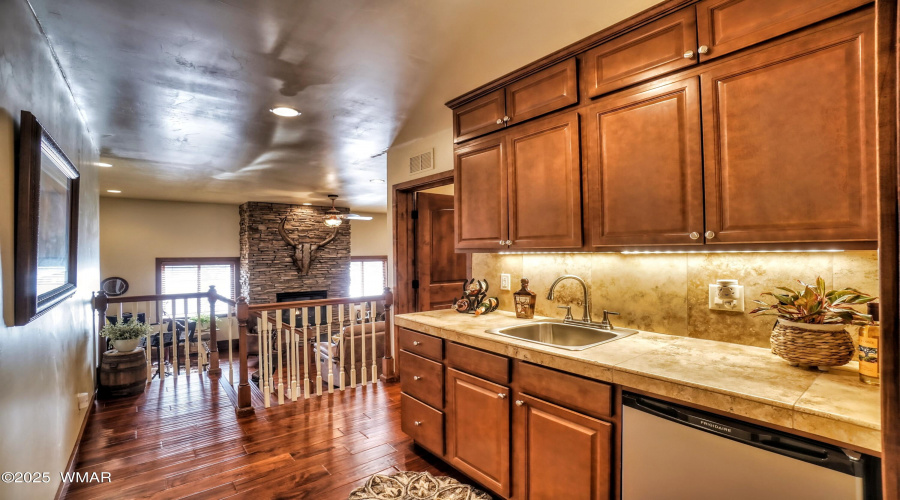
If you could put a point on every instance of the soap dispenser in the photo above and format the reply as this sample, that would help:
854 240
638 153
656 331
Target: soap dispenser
525 300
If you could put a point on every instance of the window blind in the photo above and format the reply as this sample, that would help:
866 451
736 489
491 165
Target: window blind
367 277
192 278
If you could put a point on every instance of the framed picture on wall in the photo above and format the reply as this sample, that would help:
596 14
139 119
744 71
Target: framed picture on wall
46 223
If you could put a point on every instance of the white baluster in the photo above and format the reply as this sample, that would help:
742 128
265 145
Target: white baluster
352 348
265 339
294 366
201 352
147 342
305 354
161 351
374 346
341 340
362 329
280 366
228 309
330 346
187 340
318 311
174 341
288 351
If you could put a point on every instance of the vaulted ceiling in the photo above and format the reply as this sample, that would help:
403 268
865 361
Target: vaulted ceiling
178 92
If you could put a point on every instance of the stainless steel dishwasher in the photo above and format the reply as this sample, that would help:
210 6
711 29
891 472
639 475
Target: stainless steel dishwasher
672 452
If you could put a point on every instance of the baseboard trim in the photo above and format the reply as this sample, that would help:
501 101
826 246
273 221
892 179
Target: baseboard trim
70 466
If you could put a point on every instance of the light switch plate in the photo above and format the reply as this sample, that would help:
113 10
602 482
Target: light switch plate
504 282
717 304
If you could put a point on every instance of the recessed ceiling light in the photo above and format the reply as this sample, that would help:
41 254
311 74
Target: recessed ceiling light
307 204
113 191
376 181
285 111
105 165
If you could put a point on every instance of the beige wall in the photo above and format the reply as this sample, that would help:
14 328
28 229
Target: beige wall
668 293
44 364
369 237
134 233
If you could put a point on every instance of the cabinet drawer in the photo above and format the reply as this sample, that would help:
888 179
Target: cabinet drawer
422 379
479 117
724 26
649 51
421 344
571 391
545 91
422 423
483 364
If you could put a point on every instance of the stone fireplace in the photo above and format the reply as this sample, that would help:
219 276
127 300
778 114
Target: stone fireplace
266 266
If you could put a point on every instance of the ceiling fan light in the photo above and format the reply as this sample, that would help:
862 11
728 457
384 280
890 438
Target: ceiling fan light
285 111
333 220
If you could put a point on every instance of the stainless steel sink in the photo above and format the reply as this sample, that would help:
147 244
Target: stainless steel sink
572 336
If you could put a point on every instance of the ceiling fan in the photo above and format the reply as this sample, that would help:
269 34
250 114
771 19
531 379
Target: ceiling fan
333 217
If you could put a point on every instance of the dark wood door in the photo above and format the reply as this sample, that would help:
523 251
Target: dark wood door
480 187
789 140
545 91
645 168
545 183
479 117
440 270
724 26
560 453
478 430
660 47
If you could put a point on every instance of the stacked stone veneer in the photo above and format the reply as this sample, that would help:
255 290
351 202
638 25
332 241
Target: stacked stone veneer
266 265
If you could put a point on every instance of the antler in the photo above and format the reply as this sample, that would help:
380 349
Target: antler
328 239
287 239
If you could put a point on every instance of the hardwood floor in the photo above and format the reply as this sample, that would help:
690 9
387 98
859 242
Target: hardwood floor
182 439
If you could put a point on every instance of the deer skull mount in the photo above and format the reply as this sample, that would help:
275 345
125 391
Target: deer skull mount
304 253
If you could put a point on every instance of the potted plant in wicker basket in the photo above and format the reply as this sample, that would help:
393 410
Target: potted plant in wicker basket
126 336
811 326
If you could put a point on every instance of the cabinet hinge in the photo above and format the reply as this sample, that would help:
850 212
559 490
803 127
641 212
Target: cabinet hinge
414 215
415 284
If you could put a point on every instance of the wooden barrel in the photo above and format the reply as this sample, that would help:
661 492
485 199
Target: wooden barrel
122 373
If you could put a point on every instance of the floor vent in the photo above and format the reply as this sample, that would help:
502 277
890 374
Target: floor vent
422 163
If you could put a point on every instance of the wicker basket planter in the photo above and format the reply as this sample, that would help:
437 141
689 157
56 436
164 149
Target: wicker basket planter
804 344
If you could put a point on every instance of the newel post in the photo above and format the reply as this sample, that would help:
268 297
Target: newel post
388 368
213 370
243 393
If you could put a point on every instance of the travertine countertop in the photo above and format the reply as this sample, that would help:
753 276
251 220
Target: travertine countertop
742 380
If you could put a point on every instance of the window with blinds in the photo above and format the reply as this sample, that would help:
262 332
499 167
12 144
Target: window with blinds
191 276
368 276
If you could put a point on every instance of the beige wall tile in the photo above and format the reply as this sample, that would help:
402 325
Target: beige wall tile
490 267
543 269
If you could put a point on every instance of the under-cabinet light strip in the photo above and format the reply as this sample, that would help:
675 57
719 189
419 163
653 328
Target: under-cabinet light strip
659 252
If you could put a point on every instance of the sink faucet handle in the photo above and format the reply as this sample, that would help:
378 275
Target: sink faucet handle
605 322
568 311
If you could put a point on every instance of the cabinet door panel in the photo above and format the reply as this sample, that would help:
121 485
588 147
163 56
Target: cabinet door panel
545 91
478 430
645 167
479 117
561 453
642 54
480 195
545 184
728 25
789 140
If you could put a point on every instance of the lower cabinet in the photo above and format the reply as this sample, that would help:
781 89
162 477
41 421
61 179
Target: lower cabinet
560 453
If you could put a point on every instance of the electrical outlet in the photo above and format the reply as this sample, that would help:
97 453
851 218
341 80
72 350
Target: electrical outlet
504 282
727 296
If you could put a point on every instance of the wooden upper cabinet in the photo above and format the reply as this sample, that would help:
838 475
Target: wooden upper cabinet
644 167
724 26
479 117
560 453
480 191
478 430
789 139
659 47
545 183
545 91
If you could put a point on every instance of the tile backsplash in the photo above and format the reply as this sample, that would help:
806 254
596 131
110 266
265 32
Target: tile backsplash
668 293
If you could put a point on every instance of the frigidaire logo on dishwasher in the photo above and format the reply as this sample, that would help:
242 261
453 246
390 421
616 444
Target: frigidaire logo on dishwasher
714 426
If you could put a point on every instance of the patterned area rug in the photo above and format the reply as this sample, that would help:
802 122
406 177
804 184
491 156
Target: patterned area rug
415 486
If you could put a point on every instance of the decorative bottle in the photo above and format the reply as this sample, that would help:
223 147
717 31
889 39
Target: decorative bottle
525 300
869 336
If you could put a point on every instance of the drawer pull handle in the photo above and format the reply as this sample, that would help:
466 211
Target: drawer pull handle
519 402
416 377
501 395
417 422
416 342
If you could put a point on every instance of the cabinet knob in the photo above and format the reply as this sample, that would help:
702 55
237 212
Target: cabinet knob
416 342
501 395
703 49
502 242
519 402
689 54
416 377
417 422
506 118
695 235
710 235
499 121
509 242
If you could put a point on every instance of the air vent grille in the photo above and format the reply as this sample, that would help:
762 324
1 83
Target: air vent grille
422 162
